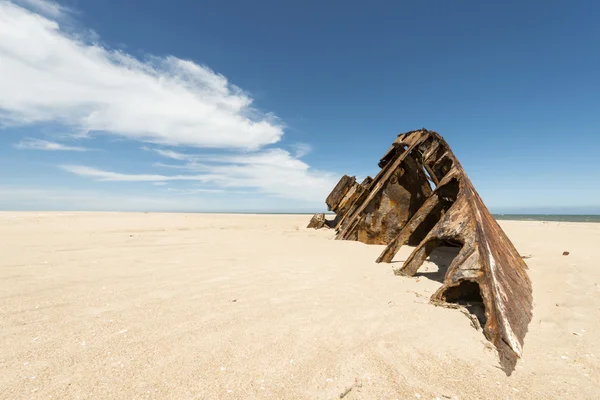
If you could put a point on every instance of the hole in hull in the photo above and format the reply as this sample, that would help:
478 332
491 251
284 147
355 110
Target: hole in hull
468 294
439 259
443 167
447 196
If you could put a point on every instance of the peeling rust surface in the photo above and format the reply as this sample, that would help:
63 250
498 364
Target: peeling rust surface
423 197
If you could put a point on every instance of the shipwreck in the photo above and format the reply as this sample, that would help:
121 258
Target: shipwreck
422 197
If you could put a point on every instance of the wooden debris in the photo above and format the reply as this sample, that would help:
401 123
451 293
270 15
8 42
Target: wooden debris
423 197
317 221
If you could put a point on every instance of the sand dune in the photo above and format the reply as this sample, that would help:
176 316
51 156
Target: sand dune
192 306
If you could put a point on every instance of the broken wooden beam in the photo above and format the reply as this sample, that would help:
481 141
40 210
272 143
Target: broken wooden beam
423 197
317 221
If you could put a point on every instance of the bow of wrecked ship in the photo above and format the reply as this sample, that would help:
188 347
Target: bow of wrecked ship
422 197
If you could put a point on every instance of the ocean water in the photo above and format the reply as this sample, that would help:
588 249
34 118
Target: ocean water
548 217
510 217
542 217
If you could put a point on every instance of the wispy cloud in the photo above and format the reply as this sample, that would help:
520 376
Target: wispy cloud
47 74
273 157
187 166
102 175
194 191
272 172
45 7
301 149
38 144
169 153
175 108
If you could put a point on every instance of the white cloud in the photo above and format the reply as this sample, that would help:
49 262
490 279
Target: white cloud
169 153
174 166
49 75
195 191
301 149
273 172
45 7
107 176
274 157
38 144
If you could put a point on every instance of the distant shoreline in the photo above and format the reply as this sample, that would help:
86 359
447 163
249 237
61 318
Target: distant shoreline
500 217
548 217
595 218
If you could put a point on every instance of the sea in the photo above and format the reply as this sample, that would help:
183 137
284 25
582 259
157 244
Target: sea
548 217
511 217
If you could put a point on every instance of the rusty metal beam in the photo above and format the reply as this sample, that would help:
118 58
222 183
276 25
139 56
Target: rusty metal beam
399 207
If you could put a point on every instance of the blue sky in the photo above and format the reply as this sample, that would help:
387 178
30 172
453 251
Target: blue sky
262 106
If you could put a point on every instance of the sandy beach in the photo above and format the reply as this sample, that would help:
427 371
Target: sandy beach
201 306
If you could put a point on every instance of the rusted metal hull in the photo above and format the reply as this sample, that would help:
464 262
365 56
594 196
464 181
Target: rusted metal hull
423 197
